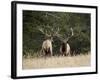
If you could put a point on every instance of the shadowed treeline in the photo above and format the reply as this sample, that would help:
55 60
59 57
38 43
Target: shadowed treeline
33 38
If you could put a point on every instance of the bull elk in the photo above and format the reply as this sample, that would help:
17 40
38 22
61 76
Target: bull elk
47 43
65 47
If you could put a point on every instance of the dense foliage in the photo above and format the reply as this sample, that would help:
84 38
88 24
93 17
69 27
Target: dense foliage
33 38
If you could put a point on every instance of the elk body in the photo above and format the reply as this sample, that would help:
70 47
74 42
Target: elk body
47 43
47 47
65 47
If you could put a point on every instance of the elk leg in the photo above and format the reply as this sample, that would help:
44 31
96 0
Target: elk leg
65 54
69 54
51 52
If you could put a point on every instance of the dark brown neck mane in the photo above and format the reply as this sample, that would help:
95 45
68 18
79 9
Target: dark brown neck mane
64 47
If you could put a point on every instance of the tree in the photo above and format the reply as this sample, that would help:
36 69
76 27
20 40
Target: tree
33 38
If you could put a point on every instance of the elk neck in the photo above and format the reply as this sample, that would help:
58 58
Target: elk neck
64 44
64 47
49 39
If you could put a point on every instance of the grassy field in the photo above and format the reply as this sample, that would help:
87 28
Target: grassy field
56 62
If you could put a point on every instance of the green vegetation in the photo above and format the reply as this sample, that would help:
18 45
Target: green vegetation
33 38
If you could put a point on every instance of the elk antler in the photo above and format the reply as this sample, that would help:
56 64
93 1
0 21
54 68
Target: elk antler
63 37
44 31
72 33
47 30
57 34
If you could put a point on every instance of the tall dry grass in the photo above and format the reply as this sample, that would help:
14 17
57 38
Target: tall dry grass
57 62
